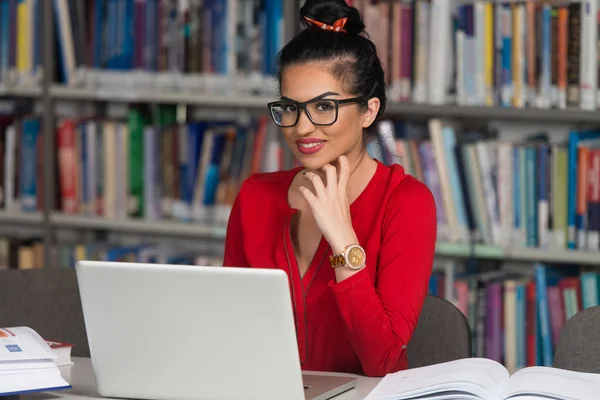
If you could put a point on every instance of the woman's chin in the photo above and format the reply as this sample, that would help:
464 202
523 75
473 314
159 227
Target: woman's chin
315 163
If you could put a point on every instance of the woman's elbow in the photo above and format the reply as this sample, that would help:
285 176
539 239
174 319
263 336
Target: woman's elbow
392 362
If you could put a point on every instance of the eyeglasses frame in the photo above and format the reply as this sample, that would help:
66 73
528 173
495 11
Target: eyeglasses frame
302 107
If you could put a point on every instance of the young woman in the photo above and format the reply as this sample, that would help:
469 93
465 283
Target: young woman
356 237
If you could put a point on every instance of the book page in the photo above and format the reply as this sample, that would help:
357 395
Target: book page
553 383
477 378
23 344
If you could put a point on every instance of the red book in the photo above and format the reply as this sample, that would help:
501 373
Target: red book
531 325
63 351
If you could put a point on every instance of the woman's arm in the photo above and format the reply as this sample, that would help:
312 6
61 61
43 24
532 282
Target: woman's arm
381 316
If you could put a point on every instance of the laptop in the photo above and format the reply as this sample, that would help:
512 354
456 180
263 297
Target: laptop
182 332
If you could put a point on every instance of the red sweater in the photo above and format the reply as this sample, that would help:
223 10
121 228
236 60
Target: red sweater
362 324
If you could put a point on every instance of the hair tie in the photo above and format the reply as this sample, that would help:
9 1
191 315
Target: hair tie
338 25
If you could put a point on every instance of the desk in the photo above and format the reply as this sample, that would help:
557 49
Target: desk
81 376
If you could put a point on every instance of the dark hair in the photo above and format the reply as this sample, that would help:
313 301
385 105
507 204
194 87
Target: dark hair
352 54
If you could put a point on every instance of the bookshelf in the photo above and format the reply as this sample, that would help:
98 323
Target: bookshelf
51 95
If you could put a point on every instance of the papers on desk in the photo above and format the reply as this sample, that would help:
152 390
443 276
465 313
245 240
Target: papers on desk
483 379
27 363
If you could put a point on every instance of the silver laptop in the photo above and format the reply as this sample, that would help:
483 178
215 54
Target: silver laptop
186 332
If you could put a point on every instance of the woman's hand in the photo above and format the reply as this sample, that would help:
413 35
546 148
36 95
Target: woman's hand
330 205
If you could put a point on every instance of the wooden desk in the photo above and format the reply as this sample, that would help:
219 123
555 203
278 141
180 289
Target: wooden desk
81 376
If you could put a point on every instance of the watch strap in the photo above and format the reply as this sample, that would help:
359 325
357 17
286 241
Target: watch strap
338 260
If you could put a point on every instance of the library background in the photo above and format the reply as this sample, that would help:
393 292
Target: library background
129 137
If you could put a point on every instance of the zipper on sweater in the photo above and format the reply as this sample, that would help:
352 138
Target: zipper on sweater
287 234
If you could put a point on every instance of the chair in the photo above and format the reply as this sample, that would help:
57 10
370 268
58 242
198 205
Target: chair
578 347
442 334
46 300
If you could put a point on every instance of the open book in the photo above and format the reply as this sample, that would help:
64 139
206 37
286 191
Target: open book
484 379
27 363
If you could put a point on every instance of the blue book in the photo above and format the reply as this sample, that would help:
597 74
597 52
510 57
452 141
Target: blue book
4 37
29 160
531 196
516 190
213 170
543 312
507 58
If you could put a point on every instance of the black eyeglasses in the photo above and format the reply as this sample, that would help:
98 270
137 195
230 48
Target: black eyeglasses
322 112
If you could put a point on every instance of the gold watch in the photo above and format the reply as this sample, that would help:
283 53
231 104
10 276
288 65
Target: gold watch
353 256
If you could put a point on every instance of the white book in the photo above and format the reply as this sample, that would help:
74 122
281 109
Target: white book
504 188
487 163
485 379
439 70
27 363
435 132
461 70
588 65
480 51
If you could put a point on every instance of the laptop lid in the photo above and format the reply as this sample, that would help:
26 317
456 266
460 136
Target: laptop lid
187 332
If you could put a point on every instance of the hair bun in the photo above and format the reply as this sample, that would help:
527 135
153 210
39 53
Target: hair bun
328 11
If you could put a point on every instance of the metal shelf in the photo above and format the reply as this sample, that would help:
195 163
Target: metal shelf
206 231
485 252
555 256
393 109
499 113
23 218
139 226
21 91
60 92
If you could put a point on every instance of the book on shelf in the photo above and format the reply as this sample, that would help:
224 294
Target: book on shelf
27 363
484 379
150 44
21 252
534 192
516 314
481 53
485 53
152 165
187 171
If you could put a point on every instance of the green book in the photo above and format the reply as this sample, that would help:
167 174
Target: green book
136 123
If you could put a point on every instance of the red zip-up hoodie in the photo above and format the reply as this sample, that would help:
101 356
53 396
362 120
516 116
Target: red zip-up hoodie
362 324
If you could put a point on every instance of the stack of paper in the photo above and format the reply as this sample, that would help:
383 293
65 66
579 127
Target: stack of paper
27 363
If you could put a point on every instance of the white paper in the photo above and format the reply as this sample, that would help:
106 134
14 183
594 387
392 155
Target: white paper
475 378
546 382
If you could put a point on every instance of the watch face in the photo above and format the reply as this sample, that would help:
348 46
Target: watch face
356 257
